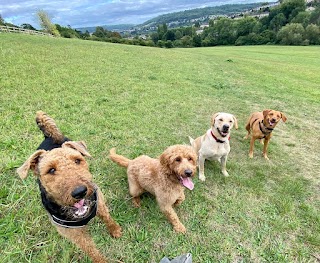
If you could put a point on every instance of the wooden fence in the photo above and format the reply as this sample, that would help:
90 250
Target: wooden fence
10 29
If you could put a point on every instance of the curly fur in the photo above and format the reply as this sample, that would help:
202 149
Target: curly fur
161 177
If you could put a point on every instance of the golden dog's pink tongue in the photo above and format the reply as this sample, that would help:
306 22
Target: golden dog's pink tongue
187 183
79 204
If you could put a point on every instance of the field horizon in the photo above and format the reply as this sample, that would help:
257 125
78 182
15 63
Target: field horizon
142 100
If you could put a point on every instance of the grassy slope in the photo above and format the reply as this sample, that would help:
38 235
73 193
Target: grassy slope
142 100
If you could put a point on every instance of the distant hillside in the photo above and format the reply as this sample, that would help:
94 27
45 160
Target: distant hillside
115 28
183 18
188 17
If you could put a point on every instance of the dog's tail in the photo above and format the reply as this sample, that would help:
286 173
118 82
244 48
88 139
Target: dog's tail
49 128
119 159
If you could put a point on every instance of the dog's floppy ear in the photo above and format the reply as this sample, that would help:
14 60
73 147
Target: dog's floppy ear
235 122
79 146
265 113
30 164
214 117
283 117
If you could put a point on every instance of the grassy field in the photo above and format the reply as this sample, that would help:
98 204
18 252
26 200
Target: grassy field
142 100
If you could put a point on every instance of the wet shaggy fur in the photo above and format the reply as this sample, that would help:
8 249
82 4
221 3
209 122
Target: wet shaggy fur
61 168
161 177
260 125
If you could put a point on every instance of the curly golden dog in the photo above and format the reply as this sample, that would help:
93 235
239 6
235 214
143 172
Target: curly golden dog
165 178
261 125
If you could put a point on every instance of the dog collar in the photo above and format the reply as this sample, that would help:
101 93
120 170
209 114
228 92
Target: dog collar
265 128
218 140
58 218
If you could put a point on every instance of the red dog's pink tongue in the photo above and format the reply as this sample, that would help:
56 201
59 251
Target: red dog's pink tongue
187 183
79 204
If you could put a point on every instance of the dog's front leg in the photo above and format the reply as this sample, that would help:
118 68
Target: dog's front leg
223 162
172 217
103 213
251 147
265 147
201 167
180 199
81 238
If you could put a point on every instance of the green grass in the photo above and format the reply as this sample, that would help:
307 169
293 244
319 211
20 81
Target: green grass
142 100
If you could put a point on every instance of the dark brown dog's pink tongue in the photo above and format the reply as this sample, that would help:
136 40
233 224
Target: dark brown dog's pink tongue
187 183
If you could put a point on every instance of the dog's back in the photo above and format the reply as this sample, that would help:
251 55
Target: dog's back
53 138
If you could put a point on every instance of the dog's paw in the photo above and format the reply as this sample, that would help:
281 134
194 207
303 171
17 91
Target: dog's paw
116 231
202 177
136 201
180 229
225 173
250 155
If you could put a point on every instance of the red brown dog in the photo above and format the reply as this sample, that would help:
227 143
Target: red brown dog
261 125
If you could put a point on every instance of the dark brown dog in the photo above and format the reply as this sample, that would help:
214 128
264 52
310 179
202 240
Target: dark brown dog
165 178
68 193
261 125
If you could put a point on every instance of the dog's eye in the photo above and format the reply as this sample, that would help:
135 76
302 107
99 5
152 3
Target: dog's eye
77 161
52 171
230 121
178 159
190 159
220 119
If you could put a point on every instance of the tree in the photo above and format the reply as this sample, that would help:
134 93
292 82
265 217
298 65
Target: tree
315 17
277 22
312 33
2 22
45 23
290 8
291 34
27 26
245 26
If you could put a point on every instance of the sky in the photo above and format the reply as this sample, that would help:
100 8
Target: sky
87 13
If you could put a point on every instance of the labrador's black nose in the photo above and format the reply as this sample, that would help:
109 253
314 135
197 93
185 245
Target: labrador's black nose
79 192
188 173
225 127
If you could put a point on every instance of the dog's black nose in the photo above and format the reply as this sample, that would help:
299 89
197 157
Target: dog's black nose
225 127
79 192
188 173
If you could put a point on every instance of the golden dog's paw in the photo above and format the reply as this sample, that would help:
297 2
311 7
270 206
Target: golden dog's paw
180 229
116 231
136 202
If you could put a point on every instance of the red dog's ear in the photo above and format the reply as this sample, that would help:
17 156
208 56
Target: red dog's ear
265 113
30 164
213 118
79 146
283 117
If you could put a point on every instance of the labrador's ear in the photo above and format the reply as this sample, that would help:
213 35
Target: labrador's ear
30 164
235 122
79 146
265 113
213 118
283 117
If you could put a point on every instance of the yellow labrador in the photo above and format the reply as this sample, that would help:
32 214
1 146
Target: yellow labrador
214 144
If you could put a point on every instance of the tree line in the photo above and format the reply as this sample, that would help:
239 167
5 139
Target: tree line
287 24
